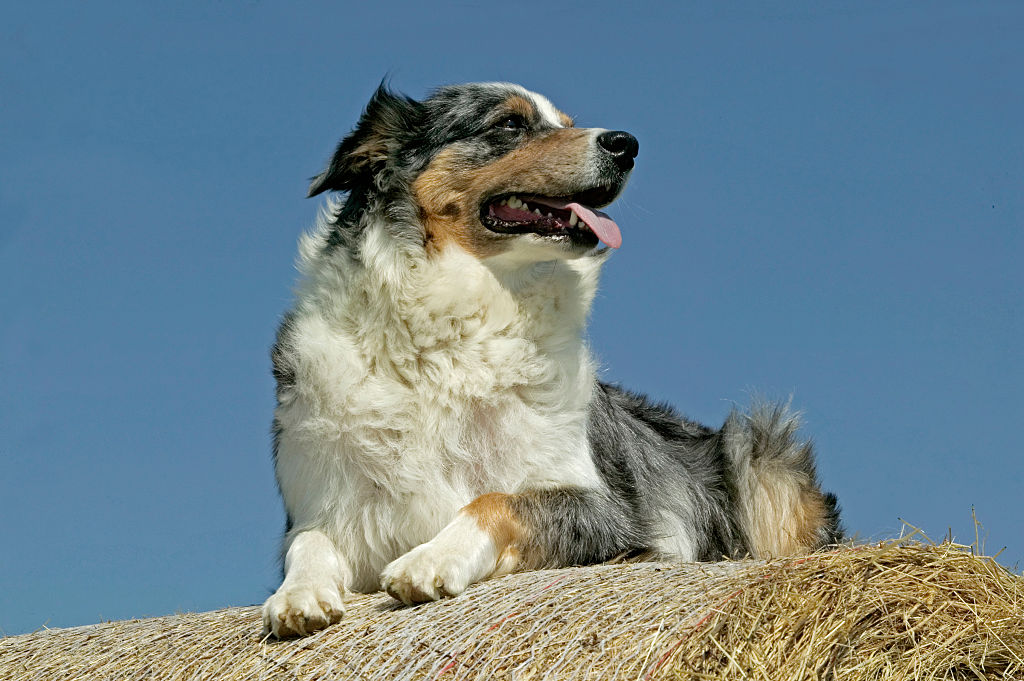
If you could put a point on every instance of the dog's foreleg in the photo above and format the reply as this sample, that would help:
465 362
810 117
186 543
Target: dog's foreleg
310 598
498 533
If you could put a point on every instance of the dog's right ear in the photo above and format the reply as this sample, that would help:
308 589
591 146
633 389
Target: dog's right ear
386 120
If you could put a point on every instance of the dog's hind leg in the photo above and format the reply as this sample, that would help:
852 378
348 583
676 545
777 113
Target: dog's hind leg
310 598
780 507
498 533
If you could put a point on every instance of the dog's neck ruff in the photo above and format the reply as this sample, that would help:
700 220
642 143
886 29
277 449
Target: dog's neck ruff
437 366
402 305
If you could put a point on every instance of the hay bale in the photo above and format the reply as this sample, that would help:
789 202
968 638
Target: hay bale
884 612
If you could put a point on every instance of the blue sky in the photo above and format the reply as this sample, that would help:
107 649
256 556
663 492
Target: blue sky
827 205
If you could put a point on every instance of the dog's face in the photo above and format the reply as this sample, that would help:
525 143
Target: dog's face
491 168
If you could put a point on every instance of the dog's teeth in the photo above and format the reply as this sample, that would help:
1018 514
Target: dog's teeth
514 201
549 215
573 219
504 202
537 211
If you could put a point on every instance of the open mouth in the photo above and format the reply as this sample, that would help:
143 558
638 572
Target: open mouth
571 217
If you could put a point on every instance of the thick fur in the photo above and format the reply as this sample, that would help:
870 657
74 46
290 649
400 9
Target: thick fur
439 420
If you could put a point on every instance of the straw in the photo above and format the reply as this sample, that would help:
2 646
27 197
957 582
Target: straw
896 610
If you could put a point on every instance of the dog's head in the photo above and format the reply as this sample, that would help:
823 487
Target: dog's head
490 167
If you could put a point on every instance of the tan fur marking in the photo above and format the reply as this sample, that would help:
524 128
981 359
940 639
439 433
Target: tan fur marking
546 164
495 516
521 106
543 165
786 515
566 119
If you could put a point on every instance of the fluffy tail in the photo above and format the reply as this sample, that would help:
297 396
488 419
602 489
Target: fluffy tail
780 507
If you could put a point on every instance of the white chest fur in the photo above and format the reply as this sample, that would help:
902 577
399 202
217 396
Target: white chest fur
421 383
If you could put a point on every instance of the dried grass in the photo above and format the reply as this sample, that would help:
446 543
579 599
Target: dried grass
893 611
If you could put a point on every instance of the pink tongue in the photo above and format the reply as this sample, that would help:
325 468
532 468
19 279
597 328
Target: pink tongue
600 224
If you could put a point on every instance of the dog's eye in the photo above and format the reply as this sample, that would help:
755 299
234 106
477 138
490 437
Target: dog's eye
511 122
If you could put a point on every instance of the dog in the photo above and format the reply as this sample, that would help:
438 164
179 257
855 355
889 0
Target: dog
439 420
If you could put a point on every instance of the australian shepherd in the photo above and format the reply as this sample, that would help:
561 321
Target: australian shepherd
439 419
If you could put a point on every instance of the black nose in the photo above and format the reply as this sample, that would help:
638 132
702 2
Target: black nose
621 145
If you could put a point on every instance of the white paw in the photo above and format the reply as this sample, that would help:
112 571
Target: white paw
301 609
427 573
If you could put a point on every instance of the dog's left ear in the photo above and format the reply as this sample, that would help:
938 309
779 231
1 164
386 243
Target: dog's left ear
386 120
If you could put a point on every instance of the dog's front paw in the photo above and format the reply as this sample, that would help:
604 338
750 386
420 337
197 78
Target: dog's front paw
427 573
302 609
